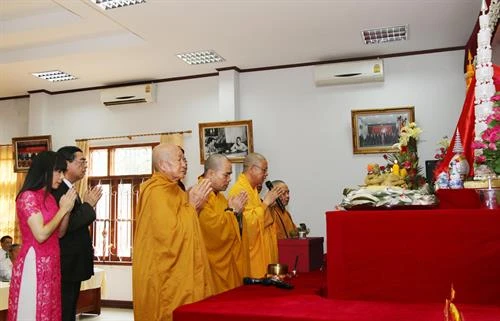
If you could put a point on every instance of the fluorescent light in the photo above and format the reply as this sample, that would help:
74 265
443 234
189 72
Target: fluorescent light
386 34
54 75
112 4
201 57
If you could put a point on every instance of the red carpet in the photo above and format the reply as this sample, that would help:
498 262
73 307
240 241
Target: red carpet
260 303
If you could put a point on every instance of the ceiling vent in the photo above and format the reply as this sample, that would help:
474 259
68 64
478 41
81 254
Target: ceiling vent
349 72
129 95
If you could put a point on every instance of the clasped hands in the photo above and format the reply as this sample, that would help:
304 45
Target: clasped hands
273 194
198 193
92 195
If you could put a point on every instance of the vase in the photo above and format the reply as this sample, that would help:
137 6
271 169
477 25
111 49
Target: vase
489 198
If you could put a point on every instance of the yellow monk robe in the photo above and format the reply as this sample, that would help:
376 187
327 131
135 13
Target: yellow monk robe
259 237
221 234
283 222
170 265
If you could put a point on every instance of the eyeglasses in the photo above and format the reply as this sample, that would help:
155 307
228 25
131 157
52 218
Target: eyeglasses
264 170
82 161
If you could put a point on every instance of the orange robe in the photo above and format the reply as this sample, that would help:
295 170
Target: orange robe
283 223
221 234
170 265
259 236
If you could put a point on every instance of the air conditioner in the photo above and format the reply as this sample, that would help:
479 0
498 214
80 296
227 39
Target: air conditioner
349 72
129 95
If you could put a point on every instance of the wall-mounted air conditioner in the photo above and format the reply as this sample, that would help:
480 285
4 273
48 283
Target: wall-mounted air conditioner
349 72
129 95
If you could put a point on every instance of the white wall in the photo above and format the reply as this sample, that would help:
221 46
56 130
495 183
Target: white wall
303 130
13 119
180 105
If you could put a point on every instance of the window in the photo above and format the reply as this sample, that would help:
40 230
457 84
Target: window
119 170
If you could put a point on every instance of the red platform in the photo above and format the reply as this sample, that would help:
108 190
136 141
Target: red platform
307 251
414 255
458 198
261 303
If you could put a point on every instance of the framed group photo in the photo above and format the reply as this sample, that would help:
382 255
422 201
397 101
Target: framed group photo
26 148
231 138
377 130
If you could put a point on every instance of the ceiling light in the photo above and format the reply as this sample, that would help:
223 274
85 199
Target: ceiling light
54 75
201 57
112 4
386 34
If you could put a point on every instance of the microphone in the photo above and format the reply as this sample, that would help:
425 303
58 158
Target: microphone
268 281
270 186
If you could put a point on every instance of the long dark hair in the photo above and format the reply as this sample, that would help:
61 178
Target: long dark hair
41 172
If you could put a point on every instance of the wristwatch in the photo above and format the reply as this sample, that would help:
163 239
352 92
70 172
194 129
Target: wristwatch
230 209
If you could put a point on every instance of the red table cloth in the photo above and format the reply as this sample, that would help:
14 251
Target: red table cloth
414 255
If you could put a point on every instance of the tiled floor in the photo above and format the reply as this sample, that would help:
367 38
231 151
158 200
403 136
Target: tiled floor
109 314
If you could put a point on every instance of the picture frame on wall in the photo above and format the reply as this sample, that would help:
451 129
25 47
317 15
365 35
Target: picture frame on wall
377 130
231 138
26 148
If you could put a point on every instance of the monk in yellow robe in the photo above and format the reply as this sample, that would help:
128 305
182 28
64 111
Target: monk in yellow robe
220 226
283 223
259 236
170 264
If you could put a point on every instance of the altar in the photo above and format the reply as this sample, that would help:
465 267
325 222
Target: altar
414 255
387 265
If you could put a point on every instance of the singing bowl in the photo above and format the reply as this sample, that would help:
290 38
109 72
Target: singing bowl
277 269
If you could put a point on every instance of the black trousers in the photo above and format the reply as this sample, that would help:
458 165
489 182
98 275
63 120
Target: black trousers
69 297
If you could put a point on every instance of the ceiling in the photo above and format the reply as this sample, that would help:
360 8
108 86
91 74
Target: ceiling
140 43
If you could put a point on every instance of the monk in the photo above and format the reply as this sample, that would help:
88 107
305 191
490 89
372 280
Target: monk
219 221
259 236
283 223
170 264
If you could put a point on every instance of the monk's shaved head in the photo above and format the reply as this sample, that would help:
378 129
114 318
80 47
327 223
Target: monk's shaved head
169 159
252 159
215 162
277 182
162 152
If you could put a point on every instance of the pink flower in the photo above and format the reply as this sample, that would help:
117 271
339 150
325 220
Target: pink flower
492 146
477 144
480 159
494 116
495 98
491 135
407 165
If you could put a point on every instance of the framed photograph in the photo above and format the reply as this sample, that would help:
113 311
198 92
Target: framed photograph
231 138
26 148
377 130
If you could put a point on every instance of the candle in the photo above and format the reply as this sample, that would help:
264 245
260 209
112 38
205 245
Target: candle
395 168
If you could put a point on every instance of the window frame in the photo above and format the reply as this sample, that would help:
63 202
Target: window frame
114 181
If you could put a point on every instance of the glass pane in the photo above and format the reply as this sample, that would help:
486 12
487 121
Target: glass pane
124 222
98 165
101 225
132 160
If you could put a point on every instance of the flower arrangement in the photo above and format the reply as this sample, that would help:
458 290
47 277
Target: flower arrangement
443 144
405 162
489 144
